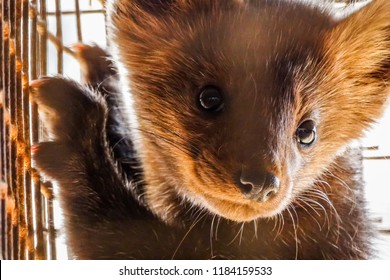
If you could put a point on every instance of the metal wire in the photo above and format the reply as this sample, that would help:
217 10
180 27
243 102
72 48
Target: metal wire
26 199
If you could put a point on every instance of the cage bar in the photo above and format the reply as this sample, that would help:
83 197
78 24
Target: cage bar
26 199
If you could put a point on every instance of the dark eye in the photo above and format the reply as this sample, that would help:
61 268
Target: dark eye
211 99
306 133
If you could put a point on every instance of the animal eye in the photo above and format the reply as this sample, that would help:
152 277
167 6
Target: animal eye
306 133
211 99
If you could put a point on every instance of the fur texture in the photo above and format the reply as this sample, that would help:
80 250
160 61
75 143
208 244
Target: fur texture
148 174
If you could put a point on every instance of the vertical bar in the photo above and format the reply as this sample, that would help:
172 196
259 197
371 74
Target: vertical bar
17 177
2 165
7 144
60 51
78 21
60 67
40 252
3 190
48 193
25 121
52 231
2 150
20 144
43 40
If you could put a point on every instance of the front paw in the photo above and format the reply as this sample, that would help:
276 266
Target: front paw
70 112
96 64
74 117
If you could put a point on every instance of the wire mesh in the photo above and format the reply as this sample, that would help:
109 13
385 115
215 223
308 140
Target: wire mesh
26 202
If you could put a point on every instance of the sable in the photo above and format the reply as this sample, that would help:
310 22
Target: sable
222 129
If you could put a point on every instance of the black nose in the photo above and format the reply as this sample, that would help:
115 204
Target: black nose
258 186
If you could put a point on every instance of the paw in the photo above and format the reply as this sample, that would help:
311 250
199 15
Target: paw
74 117
96 65
69 111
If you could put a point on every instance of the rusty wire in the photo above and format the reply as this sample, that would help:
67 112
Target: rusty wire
26 201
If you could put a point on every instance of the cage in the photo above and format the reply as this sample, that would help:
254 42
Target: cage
36 36
33 43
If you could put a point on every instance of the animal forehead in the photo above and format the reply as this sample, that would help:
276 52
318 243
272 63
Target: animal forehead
254 35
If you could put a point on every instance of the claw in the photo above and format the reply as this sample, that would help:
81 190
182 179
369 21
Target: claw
1 98
78 48
3 189
36 83
33 87
34 149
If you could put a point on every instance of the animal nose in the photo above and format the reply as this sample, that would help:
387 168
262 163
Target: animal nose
258 186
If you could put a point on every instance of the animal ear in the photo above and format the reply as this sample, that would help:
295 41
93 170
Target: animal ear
356 69
360 44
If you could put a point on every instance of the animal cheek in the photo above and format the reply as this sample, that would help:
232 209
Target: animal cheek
294 169
292 163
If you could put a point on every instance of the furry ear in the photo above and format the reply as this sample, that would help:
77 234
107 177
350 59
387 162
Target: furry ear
355 73
360 45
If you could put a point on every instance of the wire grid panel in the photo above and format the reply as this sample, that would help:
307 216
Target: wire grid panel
31 45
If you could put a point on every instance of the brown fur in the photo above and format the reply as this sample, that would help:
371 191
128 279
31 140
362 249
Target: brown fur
277 64
297 57
328 68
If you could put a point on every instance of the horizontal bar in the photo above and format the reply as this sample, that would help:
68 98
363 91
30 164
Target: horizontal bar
377 158
74 12
371 148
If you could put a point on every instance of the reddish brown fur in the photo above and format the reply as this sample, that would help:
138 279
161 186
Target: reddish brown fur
187 44
337 75
277 63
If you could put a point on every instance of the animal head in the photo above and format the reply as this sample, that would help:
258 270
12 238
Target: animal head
239 106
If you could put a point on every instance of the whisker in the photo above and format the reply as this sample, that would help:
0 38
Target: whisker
323 196
302 199
212 235
282 223
242 232
351 198
275 219
326 216
255 229
217 227
118 142
235 237
201 215
295 231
